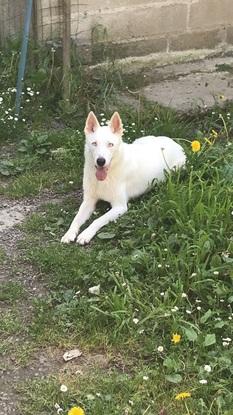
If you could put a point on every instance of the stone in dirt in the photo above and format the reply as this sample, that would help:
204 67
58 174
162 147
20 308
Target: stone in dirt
72 354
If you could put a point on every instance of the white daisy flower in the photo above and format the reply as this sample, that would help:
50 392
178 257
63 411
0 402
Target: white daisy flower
63 388
58 408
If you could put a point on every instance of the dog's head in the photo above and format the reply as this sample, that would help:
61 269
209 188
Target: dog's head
103 142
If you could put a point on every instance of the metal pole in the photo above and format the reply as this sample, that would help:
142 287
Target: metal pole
35 34
66 49
23 55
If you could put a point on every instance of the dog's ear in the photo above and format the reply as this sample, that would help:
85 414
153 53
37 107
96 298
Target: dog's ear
116 124
91 123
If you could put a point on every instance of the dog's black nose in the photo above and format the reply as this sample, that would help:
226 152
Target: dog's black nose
101 161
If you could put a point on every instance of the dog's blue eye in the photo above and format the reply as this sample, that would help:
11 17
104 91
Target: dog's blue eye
110 144
94 143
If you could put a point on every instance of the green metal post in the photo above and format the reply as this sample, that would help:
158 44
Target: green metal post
23 56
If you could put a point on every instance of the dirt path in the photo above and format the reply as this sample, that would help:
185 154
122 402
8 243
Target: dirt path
43 361
12 213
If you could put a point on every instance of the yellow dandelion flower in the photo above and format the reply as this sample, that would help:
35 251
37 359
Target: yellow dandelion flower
196 146
182 395
76 410
176 338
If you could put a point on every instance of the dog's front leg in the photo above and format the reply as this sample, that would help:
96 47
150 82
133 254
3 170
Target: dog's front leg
85 211
96 225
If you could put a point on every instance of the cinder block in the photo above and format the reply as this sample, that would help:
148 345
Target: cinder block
197 40
153 21
230 35
106 5
101 51
210 13
45 4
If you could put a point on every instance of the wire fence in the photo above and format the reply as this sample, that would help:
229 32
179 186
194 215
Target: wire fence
11 18
48 17
47 21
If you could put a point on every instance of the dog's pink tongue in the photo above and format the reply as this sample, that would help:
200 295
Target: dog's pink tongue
101 174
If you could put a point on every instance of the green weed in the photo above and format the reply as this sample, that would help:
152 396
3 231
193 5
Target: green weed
139 392
164 268
10 323
11 292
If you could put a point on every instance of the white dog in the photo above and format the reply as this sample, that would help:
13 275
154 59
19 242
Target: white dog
115 171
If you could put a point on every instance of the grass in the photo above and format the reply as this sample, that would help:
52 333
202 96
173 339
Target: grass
56 164
18 354
110 393
2 256
165 267
11 292
10 323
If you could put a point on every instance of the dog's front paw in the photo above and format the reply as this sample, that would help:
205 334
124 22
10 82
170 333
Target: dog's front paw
84 237
69 236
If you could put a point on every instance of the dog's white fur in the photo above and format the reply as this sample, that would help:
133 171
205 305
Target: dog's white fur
130 170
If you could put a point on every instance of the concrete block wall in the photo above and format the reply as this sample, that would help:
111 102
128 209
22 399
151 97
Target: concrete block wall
121 28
